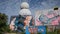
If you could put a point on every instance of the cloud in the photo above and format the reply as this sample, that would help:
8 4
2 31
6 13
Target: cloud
50 3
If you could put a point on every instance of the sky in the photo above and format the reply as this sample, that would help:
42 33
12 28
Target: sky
12 7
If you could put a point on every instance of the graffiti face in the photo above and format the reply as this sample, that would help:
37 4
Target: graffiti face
27 20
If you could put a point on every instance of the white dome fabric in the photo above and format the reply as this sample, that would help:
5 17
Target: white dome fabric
24 5
24 12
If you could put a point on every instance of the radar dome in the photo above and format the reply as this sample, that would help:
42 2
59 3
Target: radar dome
25 12
24 5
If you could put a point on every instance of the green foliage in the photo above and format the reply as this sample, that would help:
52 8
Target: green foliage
51 32
3 19
39 33
3 24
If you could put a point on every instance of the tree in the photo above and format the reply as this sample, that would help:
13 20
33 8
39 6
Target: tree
3 23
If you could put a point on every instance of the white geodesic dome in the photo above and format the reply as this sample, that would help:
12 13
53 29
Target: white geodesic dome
25 12
24 5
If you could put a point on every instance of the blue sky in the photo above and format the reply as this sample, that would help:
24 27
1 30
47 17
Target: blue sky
12 7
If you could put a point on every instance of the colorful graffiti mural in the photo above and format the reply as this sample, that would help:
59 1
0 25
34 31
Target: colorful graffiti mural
36 30
24 21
